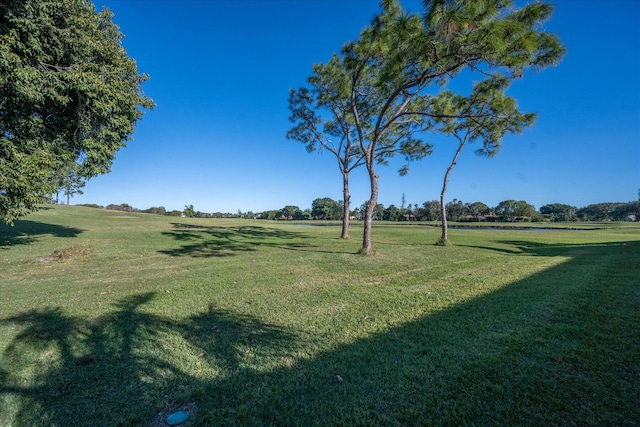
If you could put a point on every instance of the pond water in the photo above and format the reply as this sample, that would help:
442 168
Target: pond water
463 227
538 229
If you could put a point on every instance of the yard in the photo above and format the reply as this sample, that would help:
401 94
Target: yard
112 319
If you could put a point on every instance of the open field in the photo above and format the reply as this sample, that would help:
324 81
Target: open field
110 319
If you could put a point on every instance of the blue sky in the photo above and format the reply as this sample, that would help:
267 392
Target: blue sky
221 71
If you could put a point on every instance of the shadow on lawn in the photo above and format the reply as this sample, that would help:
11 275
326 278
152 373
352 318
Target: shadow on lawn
25 232
210 241
113 370
547 350
545 249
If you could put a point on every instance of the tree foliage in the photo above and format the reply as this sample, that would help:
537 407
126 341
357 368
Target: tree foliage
189 211
290 212
124 207
430 211
477 210
389 82
486 115
71 182
322 121
559 212
512 210
68 93
325 208
613 211
157 210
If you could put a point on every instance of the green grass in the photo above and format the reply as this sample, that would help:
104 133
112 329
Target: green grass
251 323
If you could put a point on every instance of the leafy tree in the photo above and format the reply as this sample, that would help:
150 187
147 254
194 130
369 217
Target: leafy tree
624 211
290 212
455 209
72 181
124 207
340 211
431 211
511 210
68 93
378 211
357 91
271 214
486 115
323 122
355 213
160 210
393 73
199 214
506 209
477 210
595 212
559 212
381 98
392 213
325 208
189 212
524 210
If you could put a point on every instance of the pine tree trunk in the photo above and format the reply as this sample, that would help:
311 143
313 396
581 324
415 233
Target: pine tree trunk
371 205
346 197
444 239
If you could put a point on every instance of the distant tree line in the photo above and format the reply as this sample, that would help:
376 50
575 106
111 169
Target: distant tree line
507 211
326 208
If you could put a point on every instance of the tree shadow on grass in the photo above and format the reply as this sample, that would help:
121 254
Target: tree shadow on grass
25 232
518 247
546 350
210 241
115 370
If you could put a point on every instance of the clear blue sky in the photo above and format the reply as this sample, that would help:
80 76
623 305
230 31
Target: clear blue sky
221 71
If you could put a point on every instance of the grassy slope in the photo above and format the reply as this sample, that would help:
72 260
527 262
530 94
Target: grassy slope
251 321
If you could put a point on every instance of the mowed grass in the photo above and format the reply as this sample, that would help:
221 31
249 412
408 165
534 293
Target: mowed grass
111 319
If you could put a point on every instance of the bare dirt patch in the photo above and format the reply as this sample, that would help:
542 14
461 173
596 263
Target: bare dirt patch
74 252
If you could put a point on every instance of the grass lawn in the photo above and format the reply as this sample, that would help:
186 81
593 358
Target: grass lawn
118 319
